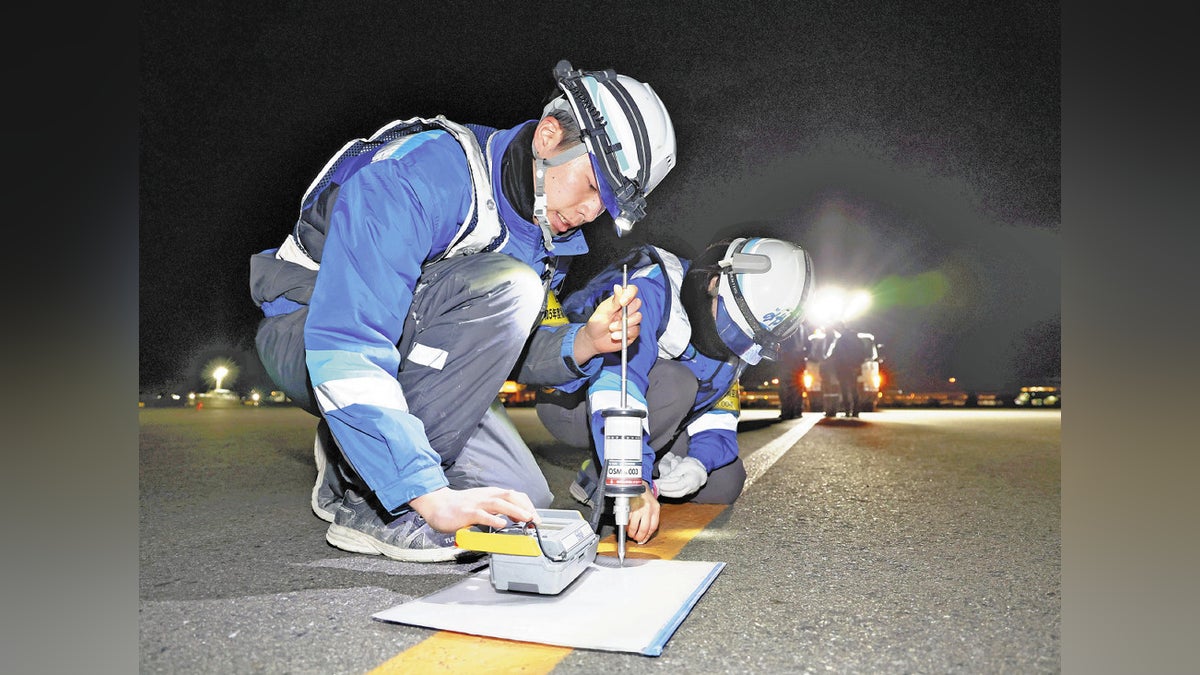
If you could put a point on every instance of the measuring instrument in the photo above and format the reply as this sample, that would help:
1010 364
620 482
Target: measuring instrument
623 441
543 558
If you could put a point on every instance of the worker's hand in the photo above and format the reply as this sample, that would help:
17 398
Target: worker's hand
449 510
680 477
643 517
602 332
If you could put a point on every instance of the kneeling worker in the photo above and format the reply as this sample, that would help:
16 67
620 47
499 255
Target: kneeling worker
702 324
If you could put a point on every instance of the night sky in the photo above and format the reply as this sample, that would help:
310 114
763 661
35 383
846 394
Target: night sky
913 148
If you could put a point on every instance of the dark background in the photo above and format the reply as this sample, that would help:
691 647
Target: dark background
913 148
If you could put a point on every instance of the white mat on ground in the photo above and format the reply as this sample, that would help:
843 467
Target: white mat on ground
635 608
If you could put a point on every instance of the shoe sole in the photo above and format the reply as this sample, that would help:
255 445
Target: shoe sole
347 539
579 495
322 512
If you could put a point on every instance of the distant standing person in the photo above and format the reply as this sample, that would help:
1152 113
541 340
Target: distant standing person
793 359
847 356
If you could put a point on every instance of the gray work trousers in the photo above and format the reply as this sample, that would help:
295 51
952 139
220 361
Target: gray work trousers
670 397
479 309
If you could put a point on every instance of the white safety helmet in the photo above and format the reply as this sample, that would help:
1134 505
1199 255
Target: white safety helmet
627 134
765 285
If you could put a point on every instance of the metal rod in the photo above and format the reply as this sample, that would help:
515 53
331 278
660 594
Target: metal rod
624 336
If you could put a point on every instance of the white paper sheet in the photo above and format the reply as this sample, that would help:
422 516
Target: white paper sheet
635 608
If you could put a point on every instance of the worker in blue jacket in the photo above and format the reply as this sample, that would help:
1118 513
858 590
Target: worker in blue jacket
410 285
702 324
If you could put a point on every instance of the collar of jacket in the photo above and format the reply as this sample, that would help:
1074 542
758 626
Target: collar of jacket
513 147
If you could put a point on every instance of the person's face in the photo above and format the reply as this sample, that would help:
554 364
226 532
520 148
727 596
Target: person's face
572 193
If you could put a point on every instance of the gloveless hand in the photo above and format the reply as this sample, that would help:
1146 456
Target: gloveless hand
643 516
448 510
602 332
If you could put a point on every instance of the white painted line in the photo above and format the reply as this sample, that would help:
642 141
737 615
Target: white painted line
762 459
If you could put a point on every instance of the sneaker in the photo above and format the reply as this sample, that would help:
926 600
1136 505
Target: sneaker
328 490
584 485
358 528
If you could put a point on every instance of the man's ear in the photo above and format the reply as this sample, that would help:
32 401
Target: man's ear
547 136
713 285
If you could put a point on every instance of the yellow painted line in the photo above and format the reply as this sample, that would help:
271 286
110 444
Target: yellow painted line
680 524
449 652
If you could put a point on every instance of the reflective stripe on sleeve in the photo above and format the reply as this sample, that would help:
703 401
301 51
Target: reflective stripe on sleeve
380 392
713 420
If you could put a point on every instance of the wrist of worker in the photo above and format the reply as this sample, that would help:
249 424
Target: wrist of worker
651 486
427 503
580 356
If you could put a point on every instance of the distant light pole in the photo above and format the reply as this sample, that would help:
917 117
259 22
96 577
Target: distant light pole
219 374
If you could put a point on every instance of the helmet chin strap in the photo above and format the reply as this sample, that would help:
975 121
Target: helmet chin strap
540 164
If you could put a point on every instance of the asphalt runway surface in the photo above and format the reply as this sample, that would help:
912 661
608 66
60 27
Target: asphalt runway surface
908 541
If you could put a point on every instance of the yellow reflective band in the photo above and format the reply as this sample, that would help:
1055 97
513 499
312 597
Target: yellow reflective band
475 538
730 401
554 315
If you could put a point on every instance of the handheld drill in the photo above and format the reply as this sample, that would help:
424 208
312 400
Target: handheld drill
623 443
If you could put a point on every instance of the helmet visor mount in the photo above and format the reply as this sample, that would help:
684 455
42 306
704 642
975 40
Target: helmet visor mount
622 193
763 341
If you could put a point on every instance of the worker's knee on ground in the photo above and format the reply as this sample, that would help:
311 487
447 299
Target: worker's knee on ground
567 425
674 377
280 345
531 482
724 485
512 287
542 498
670 396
